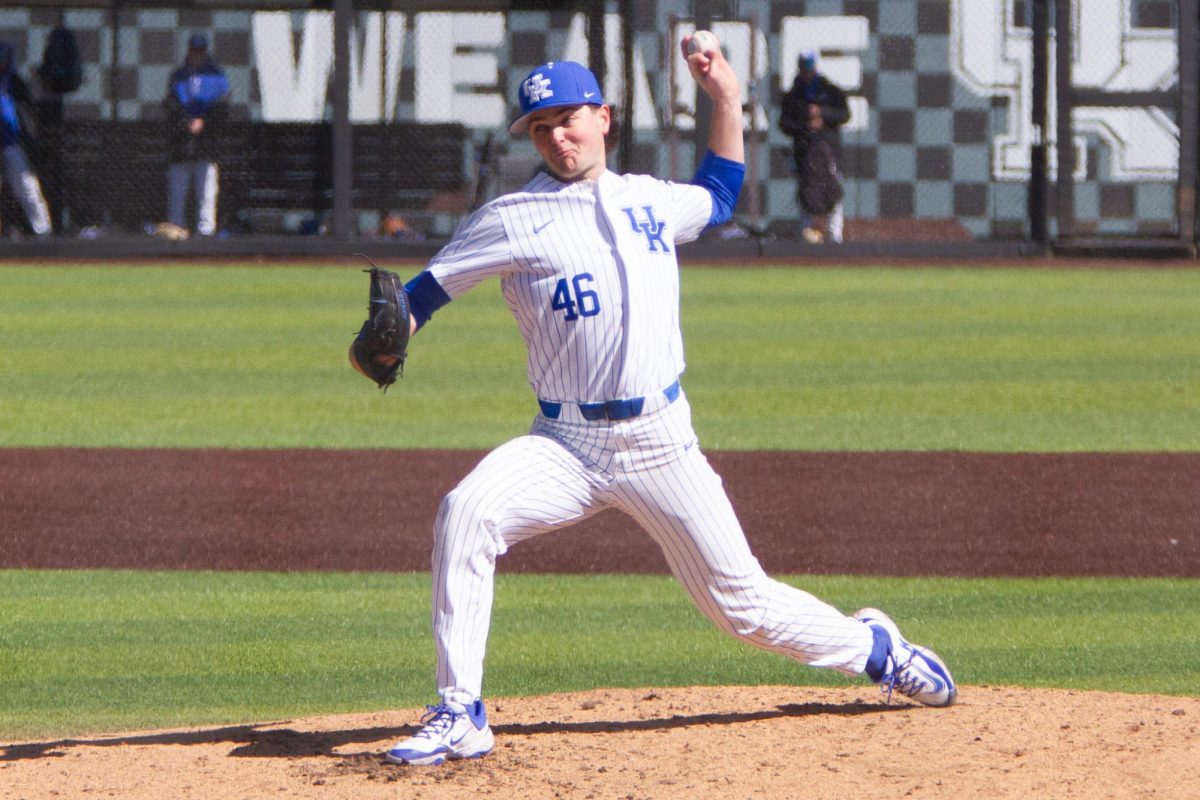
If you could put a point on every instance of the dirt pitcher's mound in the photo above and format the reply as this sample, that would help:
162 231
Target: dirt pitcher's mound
723 742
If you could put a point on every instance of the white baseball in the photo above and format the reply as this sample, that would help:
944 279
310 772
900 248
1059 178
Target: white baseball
703 42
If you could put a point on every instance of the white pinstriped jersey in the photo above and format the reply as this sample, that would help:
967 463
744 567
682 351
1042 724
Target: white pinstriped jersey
589 271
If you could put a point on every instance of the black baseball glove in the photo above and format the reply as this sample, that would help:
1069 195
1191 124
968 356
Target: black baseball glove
382 344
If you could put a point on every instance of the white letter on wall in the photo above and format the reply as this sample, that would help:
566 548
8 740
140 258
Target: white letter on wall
292 92
366 66
441 70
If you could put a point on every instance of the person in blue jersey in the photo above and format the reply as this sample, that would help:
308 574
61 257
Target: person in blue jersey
813 112
24 183
587 264
195 105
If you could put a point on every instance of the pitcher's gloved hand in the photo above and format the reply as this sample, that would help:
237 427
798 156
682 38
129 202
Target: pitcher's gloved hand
382 344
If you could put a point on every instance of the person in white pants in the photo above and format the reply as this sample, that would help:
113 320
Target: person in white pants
813 112
195 105
14 93
587 265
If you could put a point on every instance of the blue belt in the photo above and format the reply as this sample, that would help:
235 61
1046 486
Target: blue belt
614 410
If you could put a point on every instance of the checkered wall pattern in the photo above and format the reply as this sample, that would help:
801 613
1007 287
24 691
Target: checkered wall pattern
924 152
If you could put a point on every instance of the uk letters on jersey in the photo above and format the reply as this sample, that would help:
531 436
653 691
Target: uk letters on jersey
649 225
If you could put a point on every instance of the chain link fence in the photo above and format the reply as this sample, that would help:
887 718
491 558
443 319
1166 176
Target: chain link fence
938 145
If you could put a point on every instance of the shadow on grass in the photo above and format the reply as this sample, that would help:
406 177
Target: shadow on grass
262 741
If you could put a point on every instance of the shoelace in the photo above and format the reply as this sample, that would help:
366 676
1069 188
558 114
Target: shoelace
436 721
909 685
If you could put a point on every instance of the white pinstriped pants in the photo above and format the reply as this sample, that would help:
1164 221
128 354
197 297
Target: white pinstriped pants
651 468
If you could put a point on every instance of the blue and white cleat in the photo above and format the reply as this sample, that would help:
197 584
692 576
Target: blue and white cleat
449 731
911 670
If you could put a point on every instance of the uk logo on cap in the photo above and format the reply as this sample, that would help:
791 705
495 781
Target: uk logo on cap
536 88
555 83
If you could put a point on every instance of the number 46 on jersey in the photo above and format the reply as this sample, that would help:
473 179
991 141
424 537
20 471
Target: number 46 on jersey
574 298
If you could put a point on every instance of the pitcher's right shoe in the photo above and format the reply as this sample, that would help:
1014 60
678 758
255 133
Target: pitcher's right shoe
449 731
913 671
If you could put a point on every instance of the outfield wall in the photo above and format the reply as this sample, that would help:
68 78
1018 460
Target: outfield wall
942 146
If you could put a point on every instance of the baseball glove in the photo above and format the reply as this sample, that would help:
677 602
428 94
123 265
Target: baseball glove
382 344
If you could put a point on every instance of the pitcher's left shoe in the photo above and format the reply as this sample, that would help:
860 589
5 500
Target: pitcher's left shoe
449 731
913 671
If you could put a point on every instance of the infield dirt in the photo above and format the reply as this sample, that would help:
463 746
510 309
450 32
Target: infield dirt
722 742
899 514
965 514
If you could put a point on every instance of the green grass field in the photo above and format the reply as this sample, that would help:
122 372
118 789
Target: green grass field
815 359
807 359
98 650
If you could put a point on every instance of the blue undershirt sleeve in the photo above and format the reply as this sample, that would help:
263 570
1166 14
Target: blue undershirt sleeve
425 296
723 179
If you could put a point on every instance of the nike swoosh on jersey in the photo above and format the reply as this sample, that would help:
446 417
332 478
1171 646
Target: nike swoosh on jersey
542 227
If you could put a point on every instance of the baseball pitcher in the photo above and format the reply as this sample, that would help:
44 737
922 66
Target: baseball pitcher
587 265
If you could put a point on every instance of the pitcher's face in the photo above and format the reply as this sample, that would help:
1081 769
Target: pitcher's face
570 139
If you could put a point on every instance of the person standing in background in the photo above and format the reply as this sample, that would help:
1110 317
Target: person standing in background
60 74
813 112
14 96
195 105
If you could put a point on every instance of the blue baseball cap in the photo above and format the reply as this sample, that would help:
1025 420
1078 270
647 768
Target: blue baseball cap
807 60
198 42
556 83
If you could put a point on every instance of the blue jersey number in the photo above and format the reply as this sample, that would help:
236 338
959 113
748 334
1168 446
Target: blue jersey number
574 299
